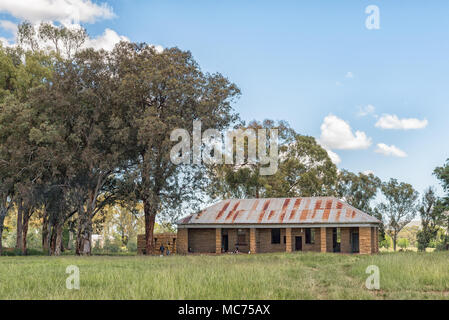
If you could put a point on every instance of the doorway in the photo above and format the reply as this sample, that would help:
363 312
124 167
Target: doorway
224 243
298 243
336 239
355 242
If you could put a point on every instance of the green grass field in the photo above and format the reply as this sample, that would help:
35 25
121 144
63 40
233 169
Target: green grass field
407 275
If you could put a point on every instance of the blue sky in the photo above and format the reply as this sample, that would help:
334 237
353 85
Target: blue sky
302 61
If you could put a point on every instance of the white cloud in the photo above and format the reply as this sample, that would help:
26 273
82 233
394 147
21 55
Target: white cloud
337 134
368 172
5 42
106 41
366 110
8 26
64 11
335 158
349 75
393 151
338 84
388 121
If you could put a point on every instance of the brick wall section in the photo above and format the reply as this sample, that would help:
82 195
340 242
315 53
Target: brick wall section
376 240
169 240
365 240
323 247
233 242
182 242
265 245
345 245
329 240
253 240
218 240
300 232
289 240
259 240
202 240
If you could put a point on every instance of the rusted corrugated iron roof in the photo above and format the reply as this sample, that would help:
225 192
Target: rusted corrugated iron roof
321 210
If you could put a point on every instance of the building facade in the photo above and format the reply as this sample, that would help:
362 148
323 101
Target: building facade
279 225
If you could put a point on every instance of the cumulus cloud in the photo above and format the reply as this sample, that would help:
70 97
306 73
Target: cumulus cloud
4 42
349 75
388 121
105 41
335 158
337 134
8 26
366 110
368 172
392 150
64 11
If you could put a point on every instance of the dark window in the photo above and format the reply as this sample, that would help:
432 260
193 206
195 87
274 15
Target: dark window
285 239
275 236
310 236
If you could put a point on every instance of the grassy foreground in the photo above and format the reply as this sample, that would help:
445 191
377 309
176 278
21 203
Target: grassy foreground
405 275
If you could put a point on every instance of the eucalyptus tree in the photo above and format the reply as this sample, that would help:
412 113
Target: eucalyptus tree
442 174
160 92
21 72
399 208
432 218
358 190
244 179
79 103
305 170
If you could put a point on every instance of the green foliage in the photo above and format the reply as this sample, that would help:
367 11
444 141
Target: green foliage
17 252
304 169
358 190
399 208
403 243
386 243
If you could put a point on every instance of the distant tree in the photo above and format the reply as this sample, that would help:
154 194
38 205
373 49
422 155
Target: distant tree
305 170
400 206
386 242
403 243
431 212
121 221
244 180
358 190
442 174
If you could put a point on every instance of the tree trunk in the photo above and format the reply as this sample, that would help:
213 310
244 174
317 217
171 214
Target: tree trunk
2 221
58 240
26 219
84 235
52 244
69 243
45 233
150 218
1 242
394 242
19 231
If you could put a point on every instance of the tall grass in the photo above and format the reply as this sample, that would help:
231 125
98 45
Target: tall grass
267 276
